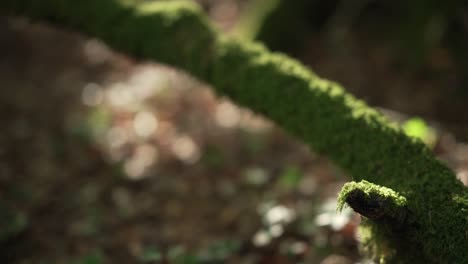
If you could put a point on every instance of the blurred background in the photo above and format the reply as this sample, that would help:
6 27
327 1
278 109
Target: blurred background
106 159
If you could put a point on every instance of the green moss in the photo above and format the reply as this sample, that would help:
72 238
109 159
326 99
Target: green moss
385 214
393 201
317 111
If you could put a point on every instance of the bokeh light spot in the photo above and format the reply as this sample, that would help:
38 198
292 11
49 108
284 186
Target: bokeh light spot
186 149
227 115
145 124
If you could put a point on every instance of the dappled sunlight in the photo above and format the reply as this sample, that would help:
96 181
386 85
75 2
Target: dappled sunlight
185 149
275 219
130 124
261 238
276 230
145 124
117 137
227 115
144 157
279 214
147 82
120 95
330 217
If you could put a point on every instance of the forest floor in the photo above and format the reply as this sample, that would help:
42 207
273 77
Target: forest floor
104 159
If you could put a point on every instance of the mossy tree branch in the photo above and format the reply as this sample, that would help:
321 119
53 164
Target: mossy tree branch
317 111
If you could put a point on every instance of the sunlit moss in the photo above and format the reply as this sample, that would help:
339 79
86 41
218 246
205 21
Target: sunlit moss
372 191
317 111
416 127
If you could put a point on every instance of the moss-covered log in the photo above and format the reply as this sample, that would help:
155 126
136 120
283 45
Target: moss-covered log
420 208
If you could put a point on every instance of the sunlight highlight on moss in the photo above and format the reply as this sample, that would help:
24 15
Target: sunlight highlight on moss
417 127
